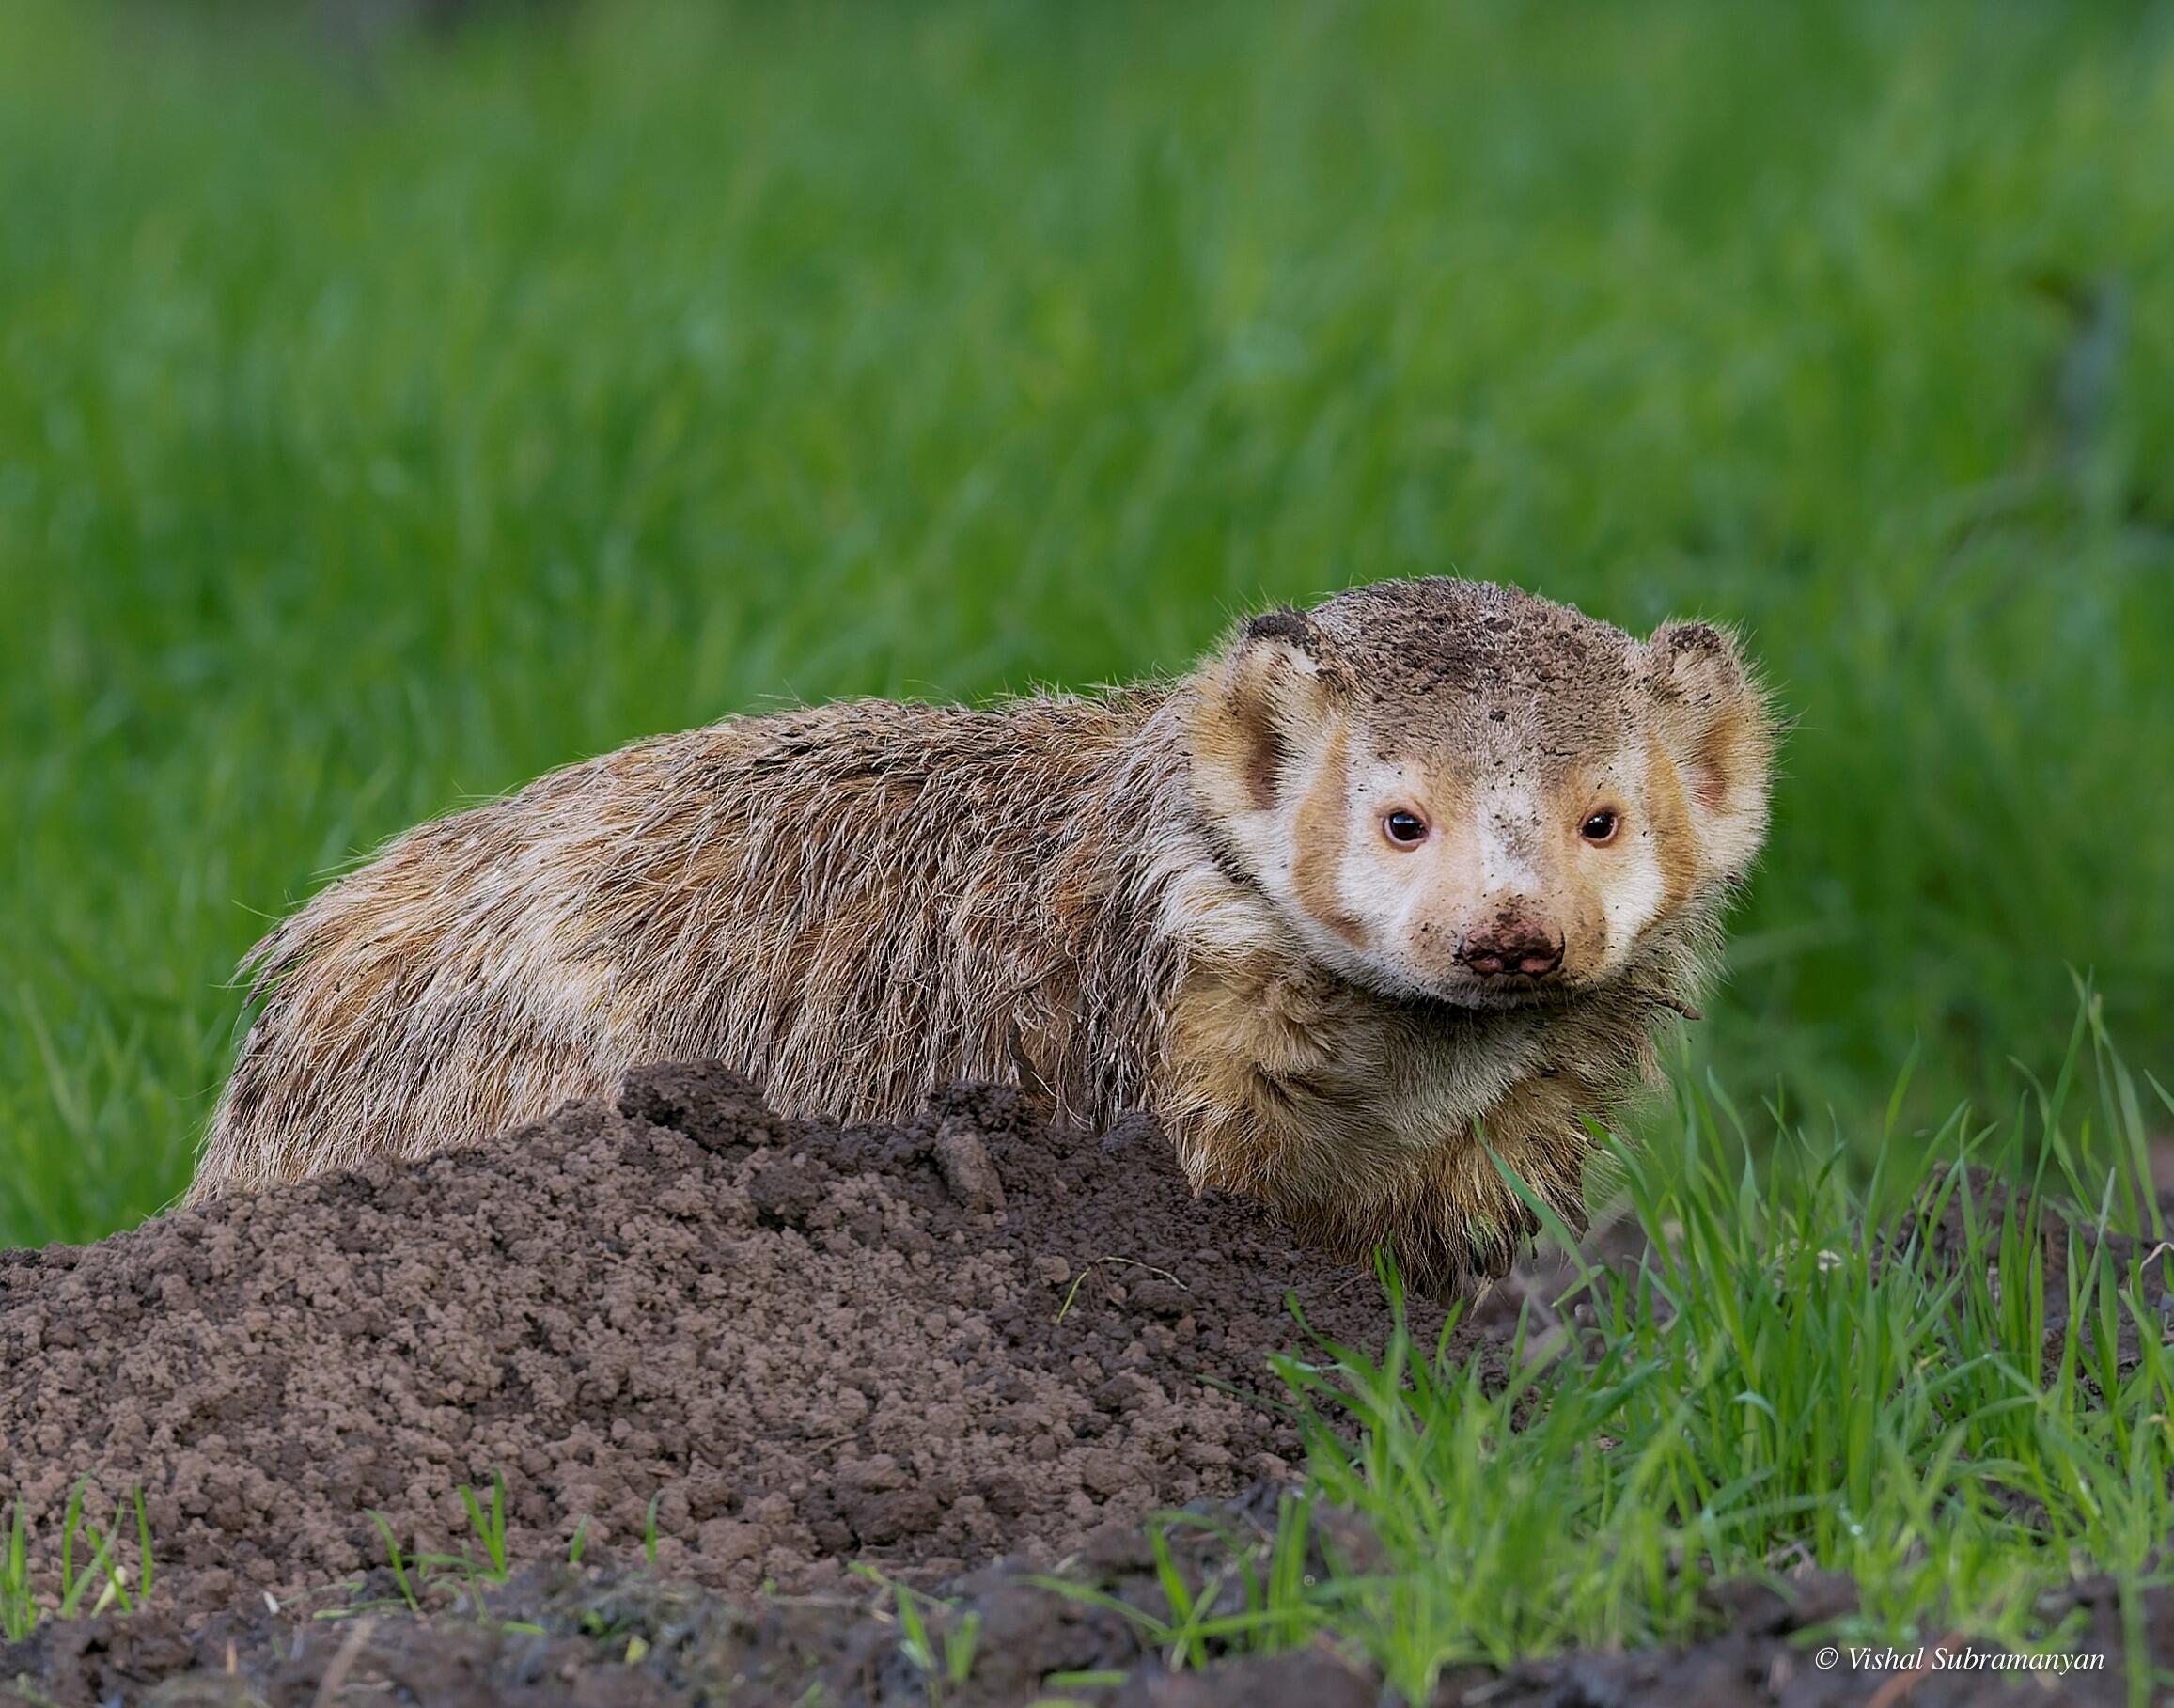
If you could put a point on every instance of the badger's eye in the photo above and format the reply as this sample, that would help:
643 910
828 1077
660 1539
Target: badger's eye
1599 827
1405 829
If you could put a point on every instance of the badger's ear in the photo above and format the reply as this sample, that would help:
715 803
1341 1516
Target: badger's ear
1713 718
1263 702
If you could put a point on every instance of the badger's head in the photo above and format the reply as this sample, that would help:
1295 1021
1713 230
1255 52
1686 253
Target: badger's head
1463 791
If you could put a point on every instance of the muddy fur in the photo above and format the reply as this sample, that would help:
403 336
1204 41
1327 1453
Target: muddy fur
1176 896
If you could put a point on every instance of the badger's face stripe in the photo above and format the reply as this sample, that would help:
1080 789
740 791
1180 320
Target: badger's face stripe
1323 836
1668 831
1509 833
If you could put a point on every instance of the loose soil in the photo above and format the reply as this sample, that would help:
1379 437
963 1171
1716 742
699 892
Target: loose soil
735 1355
917 1347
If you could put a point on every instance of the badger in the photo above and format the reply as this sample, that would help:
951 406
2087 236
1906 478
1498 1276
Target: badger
1382 902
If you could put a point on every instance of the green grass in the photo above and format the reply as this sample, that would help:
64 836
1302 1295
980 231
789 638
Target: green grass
23 1606
375 435
1796 1375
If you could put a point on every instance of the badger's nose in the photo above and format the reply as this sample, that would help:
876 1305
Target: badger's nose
1515 944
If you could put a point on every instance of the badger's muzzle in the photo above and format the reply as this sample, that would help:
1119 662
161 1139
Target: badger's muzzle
1515 940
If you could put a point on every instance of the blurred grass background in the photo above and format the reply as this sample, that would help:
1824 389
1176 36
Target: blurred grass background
383 425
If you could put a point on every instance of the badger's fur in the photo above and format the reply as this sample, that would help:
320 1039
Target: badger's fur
1202 896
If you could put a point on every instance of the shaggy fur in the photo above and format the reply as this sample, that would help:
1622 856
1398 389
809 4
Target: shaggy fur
1176 896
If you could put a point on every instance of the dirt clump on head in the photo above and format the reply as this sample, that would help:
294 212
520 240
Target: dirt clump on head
919 1346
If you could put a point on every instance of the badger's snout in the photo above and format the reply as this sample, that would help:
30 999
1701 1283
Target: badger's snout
1515 938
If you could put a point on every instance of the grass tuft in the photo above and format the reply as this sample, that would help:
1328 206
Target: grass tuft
104 1581
1932 1383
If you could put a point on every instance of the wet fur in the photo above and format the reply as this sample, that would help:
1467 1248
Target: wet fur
857 903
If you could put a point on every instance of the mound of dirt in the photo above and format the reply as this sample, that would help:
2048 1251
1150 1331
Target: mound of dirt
799 1345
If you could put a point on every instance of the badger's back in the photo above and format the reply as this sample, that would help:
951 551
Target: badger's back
852 905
